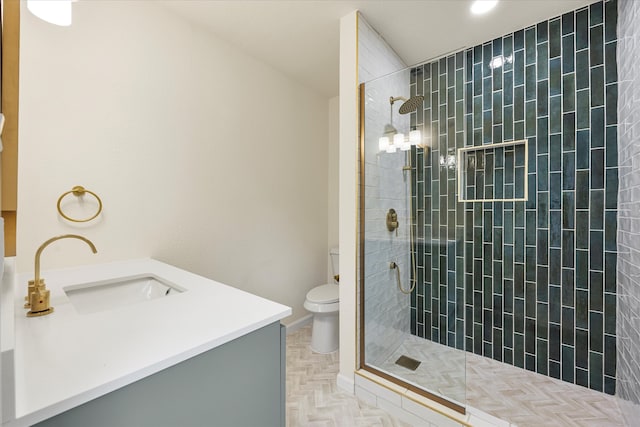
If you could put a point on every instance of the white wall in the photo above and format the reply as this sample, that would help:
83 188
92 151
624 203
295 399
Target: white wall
348 195
204 157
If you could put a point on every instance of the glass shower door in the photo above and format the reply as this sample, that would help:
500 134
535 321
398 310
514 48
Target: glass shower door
412 230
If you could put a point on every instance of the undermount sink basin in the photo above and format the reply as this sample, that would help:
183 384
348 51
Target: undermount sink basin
113 293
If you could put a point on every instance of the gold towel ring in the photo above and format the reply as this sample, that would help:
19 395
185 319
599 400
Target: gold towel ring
78 191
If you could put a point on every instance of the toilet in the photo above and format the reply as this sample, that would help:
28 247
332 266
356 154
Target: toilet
322 301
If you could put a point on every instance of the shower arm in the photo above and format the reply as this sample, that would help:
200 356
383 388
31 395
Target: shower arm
392 100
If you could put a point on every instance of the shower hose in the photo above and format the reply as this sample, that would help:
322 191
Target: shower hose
411 240
397 268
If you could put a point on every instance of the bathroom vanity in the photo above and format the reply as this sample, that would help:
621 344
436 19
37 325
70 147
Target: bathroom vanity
200 353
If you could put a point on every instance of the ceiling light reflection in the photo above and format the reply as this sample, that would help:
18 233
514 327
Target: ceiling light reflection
480 7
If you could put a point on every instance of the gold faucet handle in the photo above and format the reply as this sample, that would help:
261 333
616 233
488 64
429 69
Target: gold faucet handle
31 288
40 304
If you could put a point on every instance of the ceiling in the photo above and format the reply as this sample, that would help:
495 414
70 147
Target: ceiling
301 38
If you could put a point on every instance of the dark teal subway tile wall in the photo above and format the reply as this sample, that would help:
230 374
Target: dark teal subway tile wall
529 283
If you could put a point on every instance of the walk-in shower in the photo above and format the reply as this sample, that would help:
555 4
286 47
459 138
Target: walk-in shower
506 208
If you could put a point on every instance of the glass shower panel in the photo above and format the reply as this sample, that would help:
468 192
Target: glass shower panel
413 229
387 187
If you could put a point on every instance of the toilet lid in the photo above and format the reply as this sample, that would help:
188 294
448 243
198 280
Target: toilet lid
324 294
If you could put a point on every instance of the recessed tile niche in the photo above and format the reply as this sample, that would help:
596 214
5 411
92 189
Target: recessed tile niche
494 172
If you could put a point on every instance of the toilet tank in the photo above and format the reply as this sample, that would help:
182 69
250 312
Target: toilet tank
335 260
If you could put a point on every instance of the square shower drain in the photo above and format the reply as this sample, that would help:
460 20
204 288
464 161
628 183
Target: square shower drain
407 362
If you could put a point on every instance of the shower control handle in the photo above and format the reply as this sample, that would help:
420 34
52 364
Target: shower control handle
392 221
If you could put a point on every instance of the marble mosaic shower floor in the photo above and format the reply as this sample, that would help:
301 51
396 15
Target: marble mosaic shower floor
504 391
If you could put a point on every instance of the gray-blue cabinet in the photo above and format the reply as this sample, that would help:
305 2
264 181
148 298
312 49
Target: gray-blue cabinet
239 384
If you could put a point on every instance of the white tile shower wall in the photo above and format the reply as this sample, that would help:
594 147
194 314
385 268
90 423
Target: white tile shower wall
628 322
386 187
375 57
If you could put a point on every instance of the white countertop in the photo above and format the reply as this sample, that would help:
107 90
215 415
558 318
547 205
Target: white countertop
65 359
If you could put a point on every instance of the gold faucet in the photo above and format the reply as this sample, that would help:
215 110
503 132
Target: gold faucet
38 295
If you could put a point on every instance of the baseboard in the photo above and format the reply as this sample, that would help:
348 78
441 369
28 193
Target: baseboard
346 383
300 323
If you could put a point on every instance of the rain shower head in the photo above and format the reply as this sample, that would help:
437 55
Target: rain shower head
391 139
410 105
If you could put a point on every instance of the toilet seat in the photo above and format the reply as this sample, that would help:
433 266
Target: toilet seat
324 294
323 299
